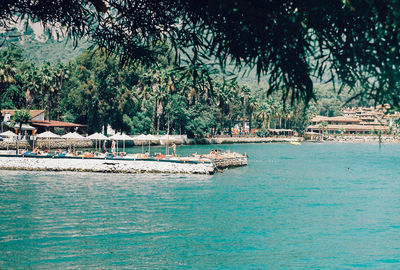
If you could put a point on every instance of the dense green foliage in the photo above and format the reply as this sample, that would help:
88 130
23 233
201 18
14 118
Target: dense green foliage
94 89
354 43
44 47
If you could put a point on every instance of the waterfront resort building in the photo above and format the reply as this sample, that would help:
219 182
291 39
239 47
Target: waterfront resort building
38 124
51 125
238 129
356 121
27 129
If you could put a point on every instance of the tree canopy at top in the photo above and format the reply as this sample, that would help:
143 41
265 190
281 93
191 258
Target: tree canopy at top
292 43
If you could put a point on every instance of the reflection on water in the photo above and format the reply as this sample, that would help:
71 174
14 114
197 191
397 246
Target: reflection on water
313 206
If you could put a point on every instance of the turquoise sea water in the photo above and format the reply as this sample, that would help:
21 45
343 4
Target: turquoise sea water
314 206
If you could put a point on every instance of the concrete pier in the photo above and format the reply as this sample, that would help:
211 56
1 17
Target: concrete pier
104 165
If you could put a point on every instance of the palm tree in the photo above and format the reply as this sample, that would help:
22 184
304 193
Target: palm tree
322 126
31 79
244 93
264 110
229 99
60 74
47 88
252 107
21 117
7 76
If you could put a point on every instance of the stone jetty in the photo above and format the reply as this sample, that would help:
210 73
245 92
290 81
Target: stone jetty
230 162
104 165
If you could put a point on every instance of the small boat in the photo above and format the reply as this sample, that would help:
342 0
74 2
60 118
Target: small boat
295 143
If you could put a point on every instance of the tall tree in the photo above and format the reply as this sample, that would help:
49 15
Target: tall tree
21 117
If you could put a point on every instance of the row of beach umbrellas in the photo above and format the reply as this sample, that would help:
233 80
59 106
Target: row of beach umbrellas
96 136
123 137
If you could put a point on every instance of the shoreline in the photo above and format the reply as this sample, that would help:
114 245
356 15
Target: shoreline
86 143
359 139
63 144
234 140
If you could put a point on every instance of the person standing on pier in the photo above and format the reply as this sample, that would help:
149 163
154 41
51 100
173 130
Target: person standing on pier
104 146
173 146
113 147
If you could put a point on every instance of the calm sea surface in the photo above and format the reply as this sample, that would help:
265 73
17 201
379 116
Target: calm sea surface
321 206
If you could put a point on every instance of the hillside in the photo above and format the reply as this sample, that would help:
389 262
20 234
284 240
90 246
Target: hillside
43 48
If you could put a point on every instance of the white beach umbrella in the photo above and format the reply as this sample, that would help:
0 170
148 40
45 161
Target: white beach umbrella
48 135
20 129
125 137
121 137
141 138
147 138
151 138
73 136
8 133
98 136
166 138
116 137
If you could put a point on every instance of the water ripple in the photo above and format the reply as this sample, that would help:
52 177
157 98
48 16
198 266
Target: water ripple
313 206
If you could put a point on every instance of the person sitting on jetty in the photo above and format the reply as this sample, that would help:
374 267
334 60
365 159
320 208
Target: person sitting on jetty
88 154
147 154
36 150
61 153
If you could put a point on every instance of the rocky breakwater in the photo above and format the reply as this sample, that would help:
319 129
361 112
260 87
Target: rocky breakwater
103 165
226 159
230 162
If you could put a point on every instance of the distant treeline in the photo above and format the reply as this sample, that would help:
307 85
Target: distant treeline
94 89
